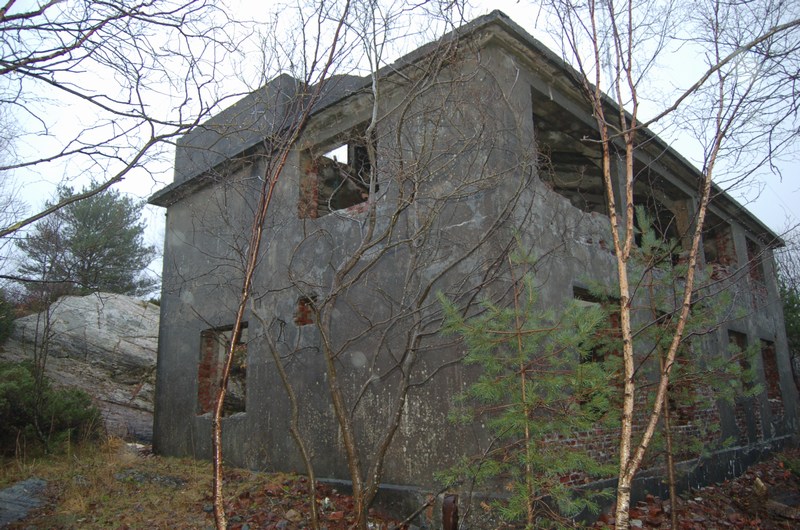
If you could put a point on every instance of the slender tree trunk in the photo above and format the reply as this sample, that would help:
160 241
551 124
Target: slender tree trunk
256 237
294 430
220 518
635 459
531 515
41 351
673 493
350 442
295 129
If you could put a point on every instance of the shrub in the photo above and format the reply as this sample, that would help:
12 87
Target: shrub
34 414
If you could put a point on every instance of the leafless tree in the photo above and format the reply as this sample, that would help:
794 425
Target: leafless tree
310 58
102 88
740 109
369 238
788 263
788 260
375 240
378 265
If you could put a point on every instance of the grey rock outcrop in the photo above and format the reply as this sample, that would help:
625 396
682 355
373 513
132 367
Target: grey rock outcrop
104 344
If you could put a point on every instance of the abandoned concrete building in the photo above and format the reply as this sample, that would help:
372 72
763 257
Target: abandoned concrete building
480 143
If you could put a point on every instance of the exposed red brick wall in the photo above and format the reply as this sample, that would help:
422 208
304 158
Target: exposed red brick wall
602 444
207 371
304 314
742 409
724 260
309 192
772 376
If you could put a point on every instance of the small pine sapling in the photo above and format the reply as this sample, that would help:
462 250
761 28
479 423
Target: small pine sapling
539 386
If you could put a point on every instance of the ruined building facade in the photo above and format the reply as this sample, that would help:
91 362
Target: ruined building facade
480 145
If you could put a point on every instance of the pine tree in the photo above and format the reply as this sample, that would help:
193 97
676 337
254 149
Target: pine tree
541 384
94 244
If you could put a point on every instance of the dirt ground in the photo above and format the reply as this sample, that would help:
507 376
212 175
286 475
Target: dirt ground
123 489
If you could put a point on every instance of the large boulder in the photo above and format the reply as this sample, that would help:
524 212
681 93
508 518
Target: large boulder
104 344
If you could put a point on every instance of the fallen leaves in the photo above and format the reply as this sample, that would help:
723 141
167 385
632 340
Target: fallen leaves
284 505
765 497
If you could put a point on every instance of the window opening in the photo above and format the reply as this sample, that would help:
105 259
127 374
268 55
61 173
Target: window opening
771 373
567 163
214 344
335 178
339 154
755 263
304 314
758 284
682 393
738 347
604 343
663 224
718 247
747 415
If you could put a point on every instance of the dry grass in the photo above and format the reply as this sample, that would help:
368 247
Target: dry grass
112 485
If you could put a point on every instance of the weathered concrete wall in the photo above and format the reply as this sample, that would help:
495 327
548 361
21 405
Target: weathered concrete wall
206 234
457 176
443 238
